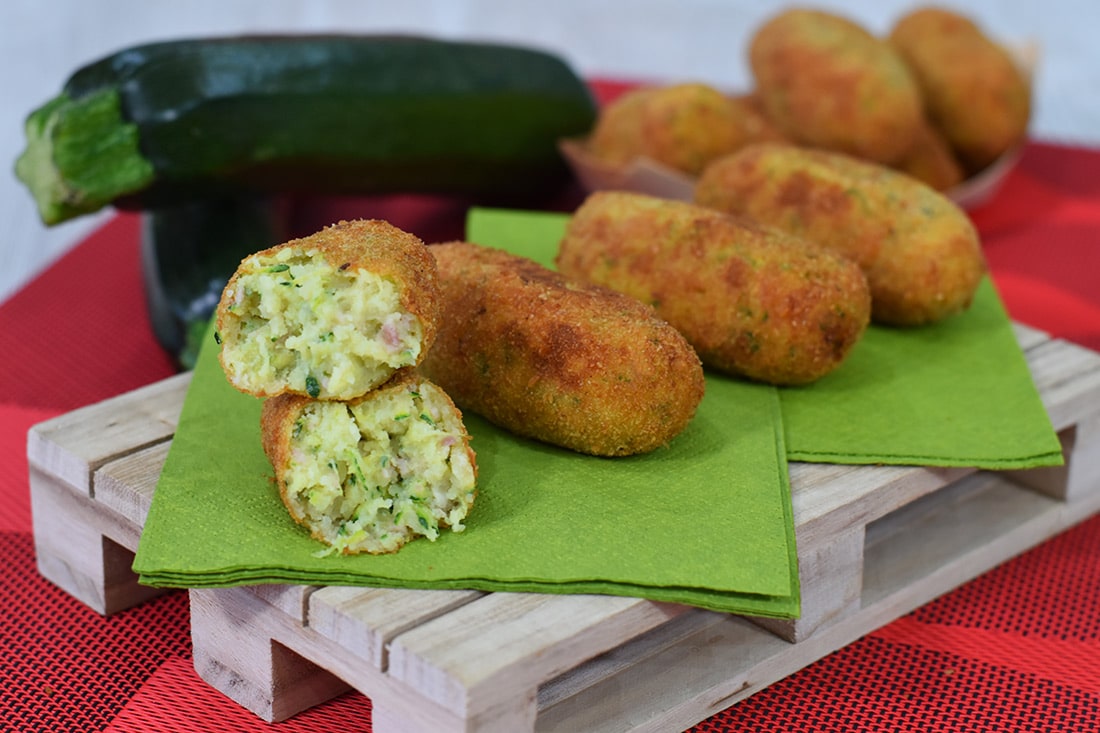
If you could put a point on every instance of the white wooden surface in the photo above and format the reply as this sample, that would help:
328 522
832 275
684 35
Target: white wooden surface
41 42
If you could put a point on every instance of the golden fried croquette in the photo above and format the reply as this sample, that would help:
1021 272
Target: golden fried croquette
550 358
370 474
920 252
827 82
682 126
753 124
331 315
974 91
751 300
932 161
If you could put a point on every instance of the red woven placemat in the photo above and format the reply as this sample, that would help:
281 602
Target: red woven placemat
1015 650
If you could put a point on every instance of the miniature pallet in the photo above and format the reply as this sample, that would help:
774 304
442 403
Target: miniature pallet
874 543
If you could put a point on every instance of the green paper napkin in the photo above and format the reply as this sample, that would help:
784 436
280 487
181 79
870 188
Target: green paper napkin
705 521
958 393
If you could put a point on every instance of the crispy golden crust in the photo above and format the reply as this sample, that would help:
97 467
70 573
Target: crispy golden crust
974 91
920 252
278 417
827 82
753 123
932 161
371 246
682 126
563 362
752 300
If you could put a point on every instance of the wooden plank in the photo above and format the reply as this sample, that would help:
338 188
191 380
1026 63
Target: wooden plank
236 649
829 499
1080 475
831 582
127 485
1029 337
506 644
293 600
366 620
84 548
620 659
72 446
1067 377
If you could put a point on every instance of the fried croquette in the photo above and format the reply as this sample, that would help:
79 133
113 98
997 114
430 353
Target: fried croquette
919 250
753 124
557 360
331 315
827 82
974 91
752 301
932 161
682 126
371 474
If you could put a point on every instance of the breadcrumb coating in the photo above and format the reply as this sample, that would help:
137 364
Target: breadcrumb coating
752 300
557 360
920 252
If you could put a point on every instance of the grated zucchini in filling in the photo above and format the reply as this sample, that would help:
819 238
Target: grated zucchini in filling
370 475
295 322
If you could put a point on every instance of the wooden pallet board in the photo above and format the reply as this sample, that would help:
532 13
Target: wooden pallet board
874 543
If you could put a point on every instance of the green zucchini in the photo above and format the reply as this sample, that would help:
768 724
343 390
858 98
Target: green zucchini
189 251
166 122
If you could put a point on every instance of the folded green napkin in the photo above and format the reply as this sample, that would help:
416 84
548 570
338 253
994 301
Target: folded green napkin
705 521
958 393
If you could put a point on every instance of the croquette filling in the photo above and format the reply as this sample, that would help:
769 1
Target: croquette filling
370 476
324 331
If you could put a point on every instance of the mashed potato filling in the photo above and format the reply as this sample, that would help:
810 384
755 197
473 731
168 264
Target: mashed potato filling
371 475
323 331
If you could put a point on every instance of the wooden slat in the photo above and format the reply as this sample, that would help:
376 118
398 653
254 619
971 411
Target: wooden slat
506 644
127 485
1068 379
72 446
83 547
366 620
1029 337
292 600
828 499
237 648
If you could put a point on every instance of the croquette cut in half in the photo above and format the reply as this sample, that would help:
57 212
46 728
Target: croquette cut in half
329 316
371 474
551 358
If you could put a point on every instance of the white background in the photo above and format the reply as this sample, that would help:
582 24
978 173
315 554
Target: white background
43 41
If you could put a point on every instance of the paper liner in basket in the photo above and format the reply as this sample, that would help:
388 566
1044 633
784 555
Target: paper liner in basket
644 175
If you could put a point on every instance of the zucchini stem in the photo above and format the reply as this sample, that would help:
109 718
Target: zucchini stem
80 156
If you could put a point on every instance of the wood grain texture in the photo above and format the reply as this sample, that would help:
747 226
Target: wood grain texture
72 446
369 619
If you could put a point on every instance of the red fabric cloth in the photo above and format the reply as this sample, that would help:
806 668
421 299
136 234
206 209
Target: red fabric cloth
1016 649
